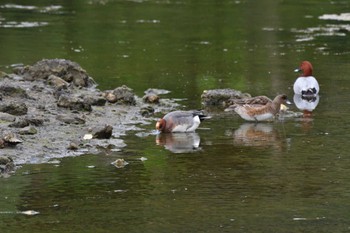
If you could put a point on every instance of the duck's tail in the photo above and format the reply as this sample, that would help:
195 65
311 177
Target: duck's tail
202 116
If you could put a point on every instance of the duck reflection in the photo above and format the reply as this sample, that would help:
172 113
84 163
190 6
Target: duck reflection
257 135
306 103
179 142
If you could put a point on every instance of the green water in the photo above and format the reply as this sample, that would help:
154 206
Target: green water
285 176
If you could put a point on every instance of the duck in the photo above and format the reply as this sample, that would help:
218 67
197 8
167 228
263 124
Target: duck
261 100
260 112
306 84
180 121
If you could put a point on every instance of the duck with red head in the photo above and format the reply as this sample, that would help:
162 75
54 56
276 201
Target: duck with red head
306 84
180 121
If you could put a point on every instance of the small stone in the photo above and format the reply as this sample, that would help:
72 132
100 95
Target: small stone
11 138
73 146
29 130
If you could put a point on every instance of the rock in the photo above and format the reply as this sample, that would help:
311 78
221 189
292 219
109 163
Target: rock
73 103
73 146
57 82
151 98
70 119
7 117
13 91
11 139
147 111
6 164
29 130
121 95
67 70
37 121
103 133
16 109
19 123
95 100
2 143
221 97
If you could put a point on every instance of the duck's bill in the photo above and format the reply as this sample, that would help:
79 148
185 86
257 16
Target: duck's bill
297 70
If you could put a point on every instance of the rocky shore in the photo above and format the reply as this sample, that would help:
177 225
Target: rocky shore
54 109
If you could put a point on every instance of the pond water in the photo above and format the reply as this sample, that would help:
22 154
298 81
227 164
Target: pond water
230 176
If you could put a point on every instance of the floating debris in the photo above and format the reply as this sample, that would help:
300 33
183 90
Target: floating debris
29 212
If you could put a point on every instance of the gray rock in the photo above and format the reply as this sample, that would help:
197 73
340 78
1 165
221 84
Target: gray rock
103 133
121 95
16 109
221 97
6 164
7 117
67 70
57 82
147 111
71 119
95 100
151 98
73 103
29 130
19 123
13 91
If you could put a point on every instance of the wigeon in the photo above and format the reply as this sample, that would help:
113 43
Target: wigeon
260 112
261 100
180 121
306 84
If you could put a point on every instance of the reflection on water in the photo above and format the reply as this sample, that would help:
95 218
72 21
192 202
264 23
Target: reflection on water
179 142
261 135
